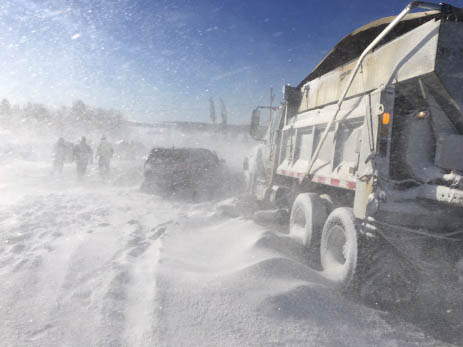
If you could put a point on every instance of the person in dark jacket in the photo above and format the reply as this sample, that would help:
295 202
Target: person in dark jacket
82 156
104 153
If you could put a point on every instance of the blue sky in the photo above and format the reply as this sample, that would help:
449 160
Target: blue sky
162 60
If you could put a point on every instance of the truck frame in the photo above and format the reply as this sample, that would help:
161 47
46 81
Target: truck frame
367 153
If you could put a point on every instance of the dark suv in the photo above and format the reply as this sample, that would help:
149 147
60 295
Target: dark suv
192 171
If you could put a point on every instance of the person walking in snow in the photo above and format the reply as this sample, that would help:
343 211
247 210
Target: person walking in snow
59 155
82 155
104 154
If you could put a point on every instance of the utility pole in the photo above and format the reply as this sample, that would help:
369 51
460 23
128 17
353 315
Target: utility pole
223 112
272 97
212 110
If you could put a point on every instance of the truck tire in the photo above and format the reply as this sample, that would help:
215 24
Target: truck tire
308 214
339 248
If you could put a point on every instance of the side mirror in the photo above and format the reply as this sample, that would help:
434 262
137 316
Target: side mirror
255 120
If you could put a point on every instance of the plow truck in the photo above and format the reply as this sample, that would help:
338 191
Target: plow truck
366 155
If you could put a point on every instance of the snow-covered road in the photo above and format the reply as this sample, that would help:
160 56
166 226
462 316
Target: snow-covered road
101 264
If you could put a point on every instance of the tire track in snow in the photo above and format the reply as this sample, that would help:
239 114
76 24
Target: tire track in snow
128 311
141 294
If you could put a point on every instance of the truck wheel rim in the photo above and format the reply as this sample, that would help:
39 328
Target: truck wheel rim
336 246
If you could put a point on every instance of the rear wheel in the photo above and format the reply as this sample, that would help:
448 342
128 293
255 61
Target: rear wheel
306 221
339 247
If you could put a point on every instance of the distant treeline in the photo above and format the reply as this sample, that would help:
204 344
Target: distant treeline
67 121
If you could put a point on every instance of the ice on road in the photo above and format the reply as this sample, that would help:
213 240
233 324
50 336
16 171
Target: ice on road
101 264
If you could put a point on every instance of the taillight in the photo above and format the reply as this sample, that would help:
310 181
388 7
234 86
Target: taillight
385 124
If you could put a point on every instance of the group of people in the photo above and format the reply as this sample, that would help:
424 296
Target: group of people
82 155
